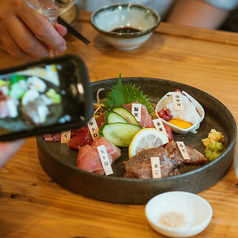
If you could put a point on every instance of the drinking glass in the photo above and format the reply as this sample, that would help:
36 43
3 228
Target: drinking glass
51 9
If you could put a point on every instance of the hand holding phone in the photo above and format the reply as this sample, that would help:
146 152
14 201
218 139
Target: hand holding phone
46 96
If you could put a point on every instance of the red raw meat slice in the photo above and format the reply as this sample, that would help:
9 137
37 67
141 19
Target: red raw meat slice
79 137
146 119
88 157
84 137
111 149
169 133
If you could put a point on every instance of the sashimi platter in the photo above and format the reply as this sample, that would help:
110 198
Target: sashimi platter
146 136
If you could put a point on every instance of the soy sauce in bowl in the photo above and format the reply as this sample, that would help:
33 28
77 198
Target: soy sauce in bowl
125 26
126 30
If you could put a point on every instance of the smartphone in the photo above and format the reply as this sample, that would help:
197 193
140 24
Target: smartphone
46 96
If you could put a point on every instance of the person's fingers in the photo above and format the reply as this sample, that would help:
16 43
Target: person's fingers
26 40
43 29
16 38
8 149
61 29
10 46
25 33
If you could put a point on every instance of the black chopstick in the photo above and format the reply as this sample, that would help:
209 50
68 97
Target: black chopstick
72 30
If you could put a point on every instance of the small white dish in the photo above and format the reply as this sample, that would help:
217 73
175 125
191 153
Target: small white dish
195 213
125 16
174 128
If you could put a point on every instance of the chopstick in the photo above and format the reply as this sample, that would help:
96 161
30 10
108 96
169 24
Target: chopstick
72 30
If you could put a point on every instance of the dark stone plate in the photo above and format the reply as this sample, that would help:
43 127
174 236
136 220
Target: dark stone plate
58 160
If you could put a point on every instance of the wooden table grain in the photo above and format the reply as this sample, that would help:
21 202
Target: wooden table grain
33 205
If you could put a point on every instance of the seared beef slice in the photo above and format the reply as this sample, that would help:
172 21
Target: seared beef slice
139 166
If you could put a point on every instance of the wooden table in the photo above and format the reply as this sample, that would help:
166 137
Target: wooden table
32 205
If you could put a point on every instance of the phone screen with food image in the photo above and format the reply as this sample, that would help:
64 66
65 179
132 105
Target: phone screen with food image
44 97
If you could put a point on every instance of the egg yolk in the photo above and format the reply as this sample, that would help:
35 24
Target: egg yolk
180 123
54 67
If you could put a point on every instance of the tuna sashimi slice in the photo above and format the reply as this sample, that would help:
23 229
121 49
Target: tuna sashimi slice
88 157
111 149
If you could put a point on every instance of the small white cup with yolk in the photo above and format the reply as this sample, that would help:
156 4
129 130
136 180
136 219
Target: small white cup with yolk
175 126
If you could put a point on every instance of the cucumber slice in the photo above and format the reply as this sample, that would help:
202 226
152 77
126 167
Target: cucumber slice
126 114
119 134
113 117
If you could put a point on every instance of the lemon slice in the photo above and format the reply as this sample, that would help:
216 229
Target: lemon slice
145 139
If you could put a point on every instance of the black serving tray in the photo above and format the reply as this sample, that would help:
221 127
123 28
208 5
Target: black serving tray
58 160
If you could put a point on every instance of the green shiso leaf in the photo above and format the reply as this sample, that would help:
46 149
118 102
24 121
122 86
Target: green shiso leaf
125 94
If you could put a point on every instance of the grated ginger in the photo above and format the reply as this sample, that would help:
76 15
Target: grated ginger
213 136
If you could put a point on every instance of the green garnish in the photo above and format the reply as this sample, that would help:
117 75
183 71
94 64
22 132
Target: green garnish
125 94
16 78
214 149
